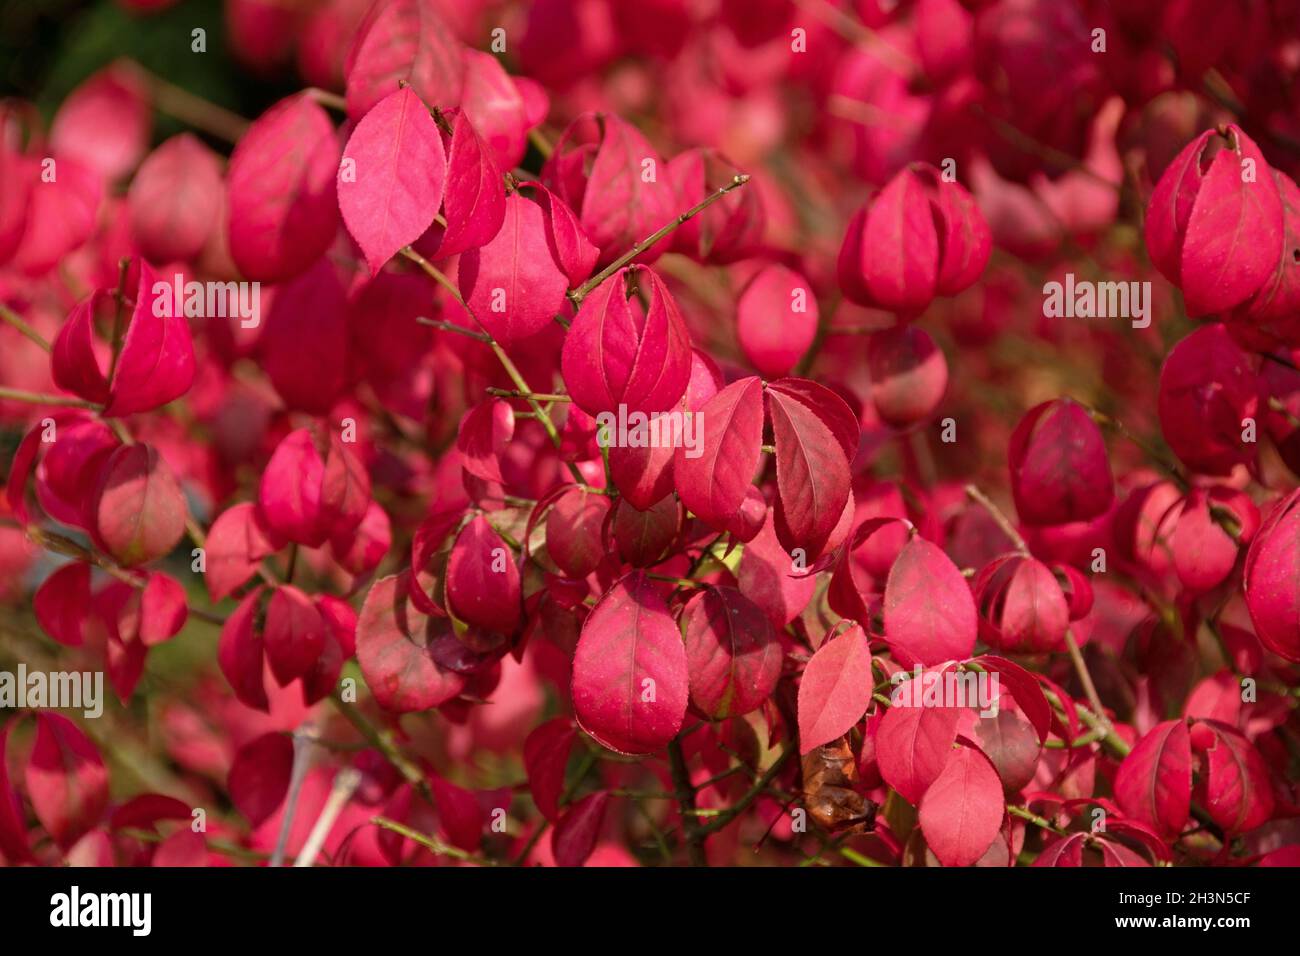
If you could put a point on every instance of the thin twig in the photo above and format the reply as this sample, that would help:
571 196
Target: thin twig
540 396
36 398
581 292
685 794
752 794
19 323
998 517
1085 678
506 363
303 752
345 785
430 843
194 110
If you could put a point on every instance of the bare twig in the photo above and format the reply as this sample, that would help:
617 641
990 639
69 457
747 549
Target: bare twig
581 292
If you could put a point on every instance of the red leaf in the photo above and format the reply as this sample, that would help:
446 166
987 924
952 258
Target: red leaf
175 200
1154 783
767 576
812 473
400 173
1064 851
1237 788
304 346
776 320
1025 688
1208 385
630 677
163 610
156 364
642 476
929 612
307 498
575 531
914 744
66 780
144 811
240 653
909 375
961 812
236 544
598 169
20 469
259 776
13 826
106 120
573 251
74 360
284 210
618 352
890 256
361 549
714 485
403 41
340 644
835 689
502 107
1059 468
546 755
475 197
732 653
61 602
1022 607
576 832
459 815
1227 244
139 510
61 214
393 651
828 406
483 579
182 848
643 537
294 634
1272 568
513 284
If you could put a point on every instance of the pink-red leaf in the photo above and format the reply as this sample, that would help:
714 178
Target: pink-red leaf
400 172
577 831
835 689
140 511
1154 783
259 776
732 653
961 812
284 209
812 472
66 779
713 484
929 612
630 676
546 754
156 364
393 651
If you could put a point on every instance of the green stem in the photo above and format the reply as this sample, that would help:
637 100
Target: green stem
17 321
752 794
685 793
431 843
36 398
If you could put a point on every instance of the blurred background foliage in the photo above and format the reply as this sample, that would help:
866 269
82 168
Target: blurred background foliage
47 47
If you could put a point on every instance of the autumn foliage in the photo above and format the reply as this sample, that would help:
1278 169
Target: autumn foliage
593 432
